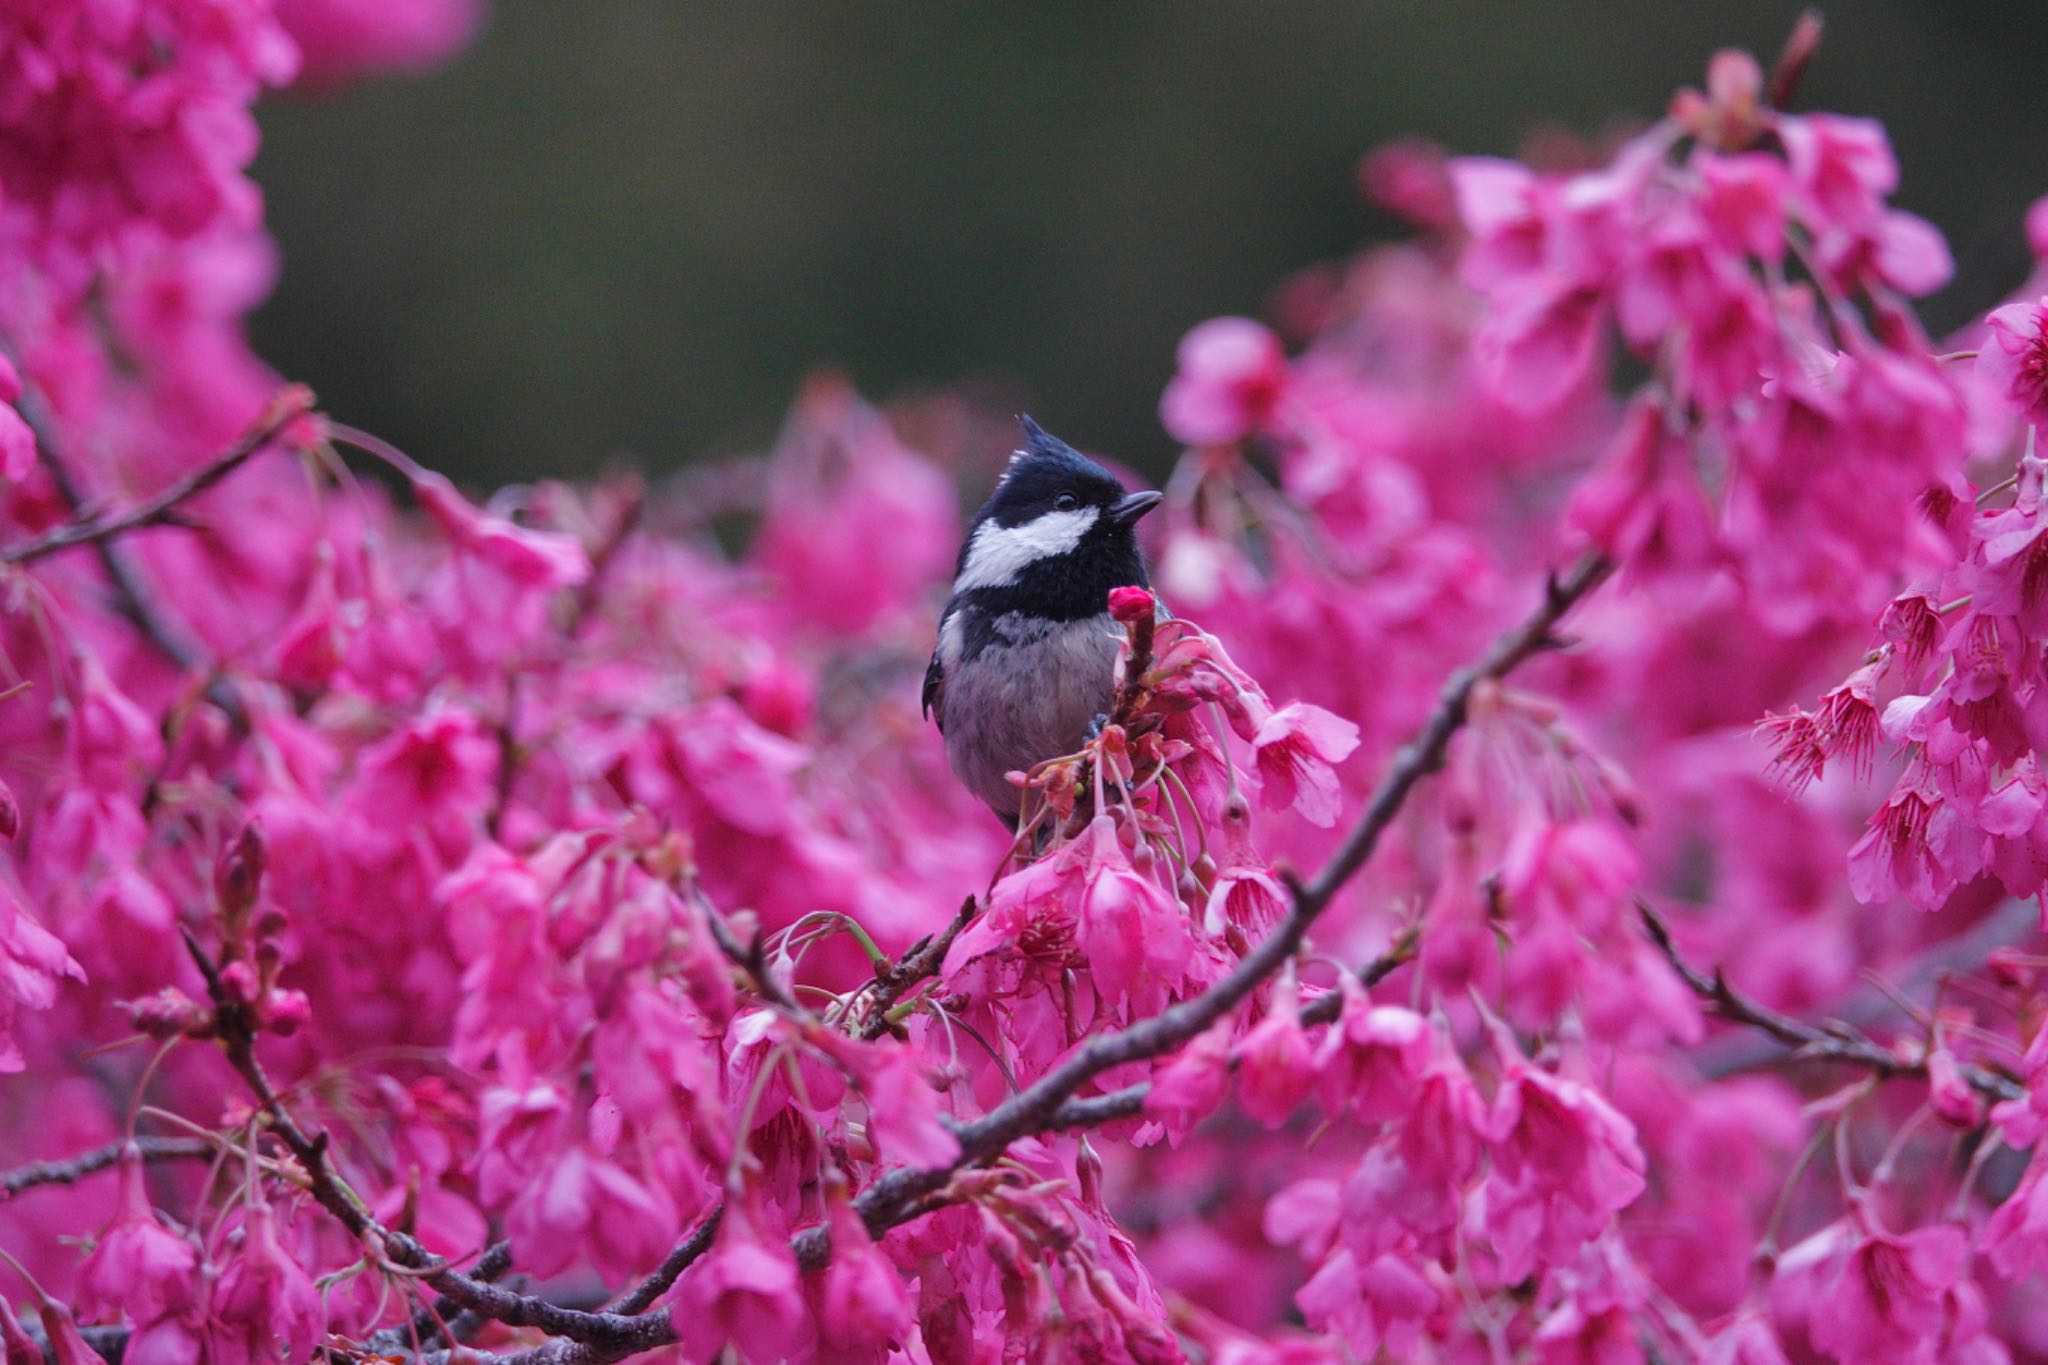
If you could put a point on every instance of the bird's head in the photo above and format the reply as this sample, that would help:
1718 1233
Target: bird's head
1057 533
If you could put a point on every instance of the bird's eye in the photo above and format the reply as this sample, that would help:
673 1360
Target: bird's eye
1066 502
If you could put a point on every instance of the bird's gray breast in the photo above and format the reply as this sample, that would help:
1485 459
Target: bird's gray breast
1026 694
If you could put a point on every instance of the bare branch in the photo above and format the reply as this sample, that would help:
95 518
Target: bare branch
425 1326
615 1332
71 1170
291 403
921 960
673 1265
1834 1042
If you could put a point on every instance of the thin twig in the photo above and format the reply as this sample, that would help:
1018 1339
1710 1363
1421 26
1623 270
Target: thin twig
922 959
673 1265
1834 1043
292 402
425 1325
71 1170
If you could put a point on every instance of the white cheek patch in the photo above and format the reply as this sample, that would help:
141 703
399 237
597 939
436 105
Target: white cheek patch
999 553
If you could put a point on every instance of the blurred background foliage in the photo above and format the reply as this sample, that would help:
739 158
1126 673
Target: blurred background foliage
627 228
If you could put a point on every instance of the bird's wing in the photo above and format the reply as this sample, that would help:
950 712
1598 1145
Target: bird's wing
934 689
935 675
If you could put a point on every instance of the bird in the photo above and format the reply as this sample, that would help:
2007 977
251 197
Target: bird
1025 664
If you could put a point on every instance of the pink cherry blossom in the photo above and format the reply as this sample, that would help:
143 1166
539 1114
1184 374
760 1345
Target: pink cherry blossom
743 1291
1275 1063
139 1266
1231 381
1655 606
265 1308
864 1303
1295 750
2014 358
1888 1297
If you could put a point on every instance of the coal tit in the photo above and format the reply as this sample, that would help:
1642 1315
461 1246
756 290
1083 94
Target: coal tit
1027 651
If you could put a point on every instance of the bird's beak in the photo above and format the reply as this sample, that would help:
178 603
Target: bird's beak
1131 506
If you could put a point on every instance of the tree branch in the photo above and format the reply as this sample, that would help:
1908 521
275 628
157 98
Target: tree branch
71 1170
1833 1043
922 959
673 1265
291 403
425 1325
617 1332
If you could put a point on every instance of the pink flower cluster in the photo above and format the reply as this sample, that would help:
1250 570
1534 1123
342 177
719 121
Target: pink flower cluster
400 889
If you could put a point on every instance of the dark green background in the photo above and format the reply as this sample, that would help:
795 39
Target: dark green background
627 228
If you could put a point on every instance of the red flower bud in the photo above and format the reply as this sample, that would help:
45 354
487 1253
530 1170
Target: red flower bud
1130 604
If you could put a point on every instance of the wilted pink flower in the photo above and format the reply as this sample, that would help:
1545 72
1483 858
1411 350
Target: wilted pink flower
1231 381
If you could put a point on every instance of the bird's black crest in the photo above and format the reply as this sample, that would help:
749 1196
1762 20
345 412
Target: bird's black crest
1042 468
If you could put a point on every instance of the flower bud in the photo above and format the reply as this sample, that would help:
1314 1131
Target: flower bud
1130 604
169 1013
237 877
